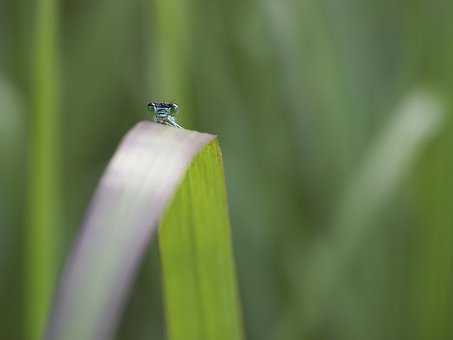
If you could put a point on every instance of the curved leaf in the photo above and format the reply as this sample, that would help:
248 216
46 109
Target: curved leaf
131 198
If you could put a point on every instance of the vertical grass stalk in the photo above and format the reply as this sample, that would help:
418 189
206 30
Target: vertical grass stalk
42 234
171 53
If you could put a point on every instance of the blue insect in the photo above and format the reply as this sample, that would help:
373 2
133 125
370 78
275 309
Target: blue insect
164 113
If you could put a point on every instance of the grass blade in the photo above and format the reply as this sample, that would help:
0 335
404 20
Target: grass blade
416 121
131 199
389 161
194 238
431 260
171 27
42 233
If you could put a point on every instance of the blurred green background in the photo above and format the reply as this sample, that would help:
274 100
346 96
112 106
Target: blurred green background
336 126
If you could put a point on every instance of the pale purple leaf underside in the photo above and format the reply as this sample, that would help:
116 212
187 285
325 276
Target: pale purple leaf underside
121 220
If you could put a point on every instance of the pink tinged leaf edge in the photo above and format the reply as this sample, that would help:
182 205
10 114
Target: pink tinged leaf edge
122 218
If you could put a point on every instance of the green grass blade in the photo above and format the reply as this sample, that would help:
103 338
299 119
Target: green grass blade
389 161
131 199
194 238
431 259
42 233
171 48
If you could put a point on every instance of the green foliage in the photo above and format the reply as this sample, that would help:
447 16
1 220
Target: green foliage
170 69
42 237
138 184
431 259
303 94
201 296
370 191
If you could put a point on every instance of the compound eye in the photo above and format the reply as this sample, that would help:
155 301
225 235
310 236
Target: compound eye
152 107
173 108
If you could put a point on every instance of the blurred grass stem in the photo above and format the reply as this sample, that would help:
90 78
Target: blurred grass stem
42 233
171 43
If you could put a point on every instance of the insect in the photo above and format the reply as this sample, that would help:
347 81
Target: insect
164 113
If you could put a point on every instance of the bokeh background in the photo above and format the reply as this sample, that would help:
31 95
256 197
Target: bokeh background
336 127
